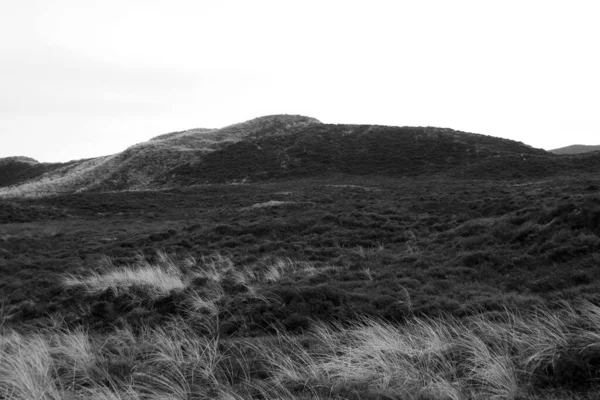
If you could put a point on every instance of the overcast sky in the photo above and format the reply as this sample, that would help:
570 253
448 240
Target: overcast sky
83 78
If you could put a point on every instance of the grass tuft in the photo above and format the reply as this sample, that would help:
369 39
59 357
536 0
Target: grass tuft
445 358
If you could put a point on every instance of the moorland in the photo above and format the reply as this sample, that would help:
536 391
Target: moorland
284 258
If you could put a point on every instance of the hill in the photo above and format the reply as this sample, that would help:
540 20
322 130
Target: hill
575 149
288 147
139 166
16 170
353 149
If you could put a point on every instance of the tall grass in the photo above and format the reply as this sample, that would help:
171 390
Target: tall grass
208 286
166 273
477 358
157 278
508 357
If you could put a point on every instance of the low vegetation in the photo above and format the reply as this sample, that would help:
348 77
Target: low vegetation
386 248
333 287
539 354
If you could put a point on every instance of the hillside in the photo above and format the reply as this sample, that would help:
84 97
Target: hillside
15 170
139 166
353 149
288 147
575 149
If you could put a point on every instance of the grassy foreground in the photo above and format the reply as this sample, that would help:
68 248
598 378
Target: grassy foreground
536 354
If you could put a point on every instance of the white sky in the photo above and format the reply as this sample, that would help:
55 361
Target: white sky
83 78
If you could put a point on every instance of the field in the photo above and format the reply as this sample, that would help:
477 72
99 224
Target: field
332 287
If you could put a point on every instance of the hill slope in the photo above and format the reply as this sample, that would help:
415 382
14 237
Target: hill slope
139 166
575 149
353 149
15 170
290 146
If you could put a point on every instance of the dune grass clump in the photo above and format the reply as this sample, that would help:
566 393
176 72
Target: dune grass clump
211 285
508 357
157 278
192 353
478 358
167 274
511 357
45 365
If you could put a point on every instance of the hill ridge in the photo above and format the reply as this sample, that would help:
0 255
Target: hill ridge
21 159
292 146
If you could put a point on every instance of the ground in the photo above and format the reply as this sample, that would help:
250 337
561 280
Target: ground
276 259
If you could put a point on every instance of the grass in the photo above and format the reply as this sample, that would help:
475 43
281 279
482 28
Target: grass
444 358
510 355
159 278
166 275
428 290
436 247
213 285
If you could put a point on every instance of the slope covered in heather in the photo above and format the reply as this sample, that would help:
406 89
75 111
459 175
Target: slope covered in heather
140 166
353 149
15 170
289 147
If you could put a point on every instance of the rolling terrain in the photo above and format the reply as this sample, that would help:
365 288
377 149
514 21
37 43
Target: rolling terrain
16 170
286 258
283 147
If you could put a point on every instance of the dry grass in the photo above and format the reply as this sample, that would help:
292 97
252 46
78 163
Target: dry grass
159 278
421 359
167 274
186 358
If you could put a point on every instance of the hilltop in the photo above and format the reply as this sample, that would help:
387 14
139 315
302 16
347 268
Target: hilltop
575 149
289 147
19 169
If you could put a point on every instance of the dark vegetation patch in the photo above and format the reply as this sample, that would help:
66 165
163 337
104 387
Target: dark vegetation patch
15 170
355 149
398 248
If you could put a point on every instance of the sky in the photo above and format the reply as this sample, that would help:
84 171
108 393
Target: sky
83 78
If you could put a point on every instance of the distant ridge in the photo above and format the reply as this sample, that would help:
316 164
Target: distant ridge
576 149
18 159
19 169
288 147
